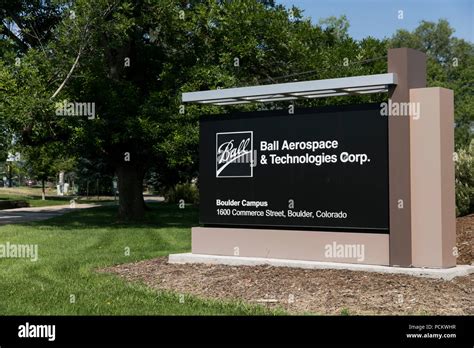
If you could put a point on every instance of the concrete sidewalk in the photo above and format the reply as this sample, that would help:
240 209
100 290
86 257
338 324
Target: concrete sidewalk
21 215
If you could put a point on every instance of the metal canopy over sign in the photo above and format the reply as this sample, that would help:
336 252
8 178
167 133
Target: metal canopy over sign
355 85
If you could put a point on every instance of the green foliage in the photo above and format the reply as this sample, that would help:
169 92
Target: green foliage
450 65
93 177
45 161
340 25
187 192
345 312
174 47
465 180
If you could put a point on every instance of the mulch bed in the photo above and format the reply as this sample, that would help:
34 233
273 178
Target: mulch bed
316 291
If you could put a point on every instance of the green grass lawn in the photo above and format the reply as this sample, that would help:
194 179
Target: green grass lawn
72 246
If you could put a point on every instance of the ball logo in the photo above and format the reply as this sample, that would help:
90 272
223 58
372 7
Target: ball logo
234 154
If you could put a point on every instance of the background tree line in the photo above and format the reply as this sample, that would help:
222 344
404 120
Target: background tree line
133 59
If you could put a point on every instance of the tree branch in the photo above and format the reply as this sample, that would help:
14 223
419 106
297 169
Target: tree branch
38 38
68 76
79 53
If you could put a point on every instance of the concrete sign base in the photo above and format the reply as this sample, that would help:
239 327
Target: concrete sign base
446 274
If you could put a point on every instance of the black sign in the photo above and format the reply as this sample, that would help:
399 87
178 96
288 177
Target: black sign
323 169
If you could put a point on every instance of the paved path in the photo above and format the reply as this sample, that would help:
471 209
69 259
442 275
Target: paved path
20 215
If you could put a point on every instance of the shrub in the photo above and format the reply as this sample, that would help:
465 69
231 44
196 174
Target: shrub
465 180
345 311
187 192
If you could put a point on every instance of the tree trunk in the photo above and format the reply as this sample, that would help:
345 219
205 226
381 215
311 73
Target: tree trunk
43 193
130 187
10 179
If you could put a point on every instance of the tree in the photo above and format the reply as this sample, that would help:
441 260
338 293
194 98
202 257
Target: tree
450 65
131 60
41 163
340 25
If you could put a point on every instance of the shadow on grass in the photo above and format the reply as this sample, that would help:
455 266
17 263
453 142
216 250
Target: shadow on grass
159 215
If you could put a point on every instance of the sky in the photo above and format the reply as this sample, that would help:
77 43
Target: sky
379 18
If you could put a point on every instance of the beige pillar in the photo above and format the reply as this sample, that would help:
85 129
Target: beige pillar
433 215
